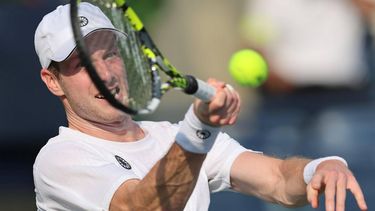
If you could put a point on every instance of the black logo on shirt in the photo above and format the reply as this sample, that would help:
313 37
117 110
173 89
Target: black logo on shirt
203 134
83 21
123 162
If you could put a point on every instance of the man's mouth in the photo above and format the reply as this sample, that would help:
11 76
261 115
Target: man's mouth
115 91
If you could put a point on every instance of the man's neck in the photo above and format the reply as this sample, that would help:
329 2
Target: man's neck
125 131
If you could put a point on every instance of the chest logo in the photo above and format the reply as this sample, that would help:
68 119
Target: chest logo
123 162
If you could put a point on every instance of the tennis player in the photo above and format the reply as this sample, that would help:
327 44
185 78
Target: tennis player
103 160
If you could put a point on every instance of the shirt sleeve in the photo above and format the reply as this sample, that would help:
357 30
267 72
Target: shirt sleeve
74 177
219 162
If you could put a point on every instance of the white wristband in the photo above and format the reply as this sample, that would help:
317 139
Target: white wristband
195 136
310 168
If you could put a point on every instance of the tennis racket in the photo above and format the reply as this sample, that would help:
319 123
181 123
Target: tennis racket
138 62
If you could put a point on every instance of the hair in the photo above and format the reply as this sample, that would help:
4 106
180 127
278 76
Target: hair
54 68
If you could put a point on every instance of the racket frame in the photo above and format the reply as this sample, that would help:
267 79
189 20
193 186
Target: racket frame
157 62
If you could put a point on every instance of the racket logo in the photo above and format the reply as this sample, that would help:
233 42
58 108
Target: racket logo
203 134
83 21
123 162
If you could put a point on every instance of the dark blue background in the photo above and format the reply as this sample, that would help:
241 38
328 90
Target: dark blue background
29 115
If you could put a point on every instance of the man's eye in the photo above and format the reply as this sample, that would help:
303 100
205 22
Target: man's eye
111 54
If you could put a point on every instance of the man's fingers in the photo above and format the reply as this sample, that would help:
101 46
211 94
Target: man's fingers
237 112
334 178
312 196
231 99
314 188
341 192
354 187
225 109
234 103
316 181
330 190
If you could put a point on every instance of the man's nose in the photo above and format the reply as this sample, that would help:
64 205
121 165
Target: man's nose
104 70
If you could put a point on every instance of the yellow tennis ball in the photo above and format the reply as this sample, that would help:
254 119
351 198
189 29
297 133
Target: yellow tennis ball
248 68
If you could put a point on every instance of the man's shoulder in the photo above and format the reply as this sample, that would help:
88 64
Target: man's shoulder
158 125
63 149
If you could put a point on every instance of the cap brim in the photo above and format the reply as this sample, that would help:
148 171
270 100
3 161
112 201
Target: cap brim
70 45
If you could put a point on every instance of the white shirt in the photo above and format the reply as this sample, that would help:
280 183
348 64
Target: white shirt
75 171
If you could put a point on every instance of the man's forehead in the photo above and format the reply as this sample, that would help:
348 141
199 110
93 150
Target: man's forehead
97 40
103 40
101 37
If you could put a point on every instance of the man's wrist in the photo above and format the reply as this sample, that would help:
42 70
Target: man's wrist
310 167
196 136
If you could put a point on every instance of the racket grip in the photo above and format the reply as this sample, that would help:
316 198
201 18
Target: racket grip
199 89
205 91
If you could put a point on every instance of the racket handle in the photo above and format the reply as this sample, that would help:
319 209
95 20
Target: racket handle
199 89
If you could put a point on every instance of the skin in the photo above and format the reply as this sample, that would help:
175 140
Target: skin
281 181
367 8
171 180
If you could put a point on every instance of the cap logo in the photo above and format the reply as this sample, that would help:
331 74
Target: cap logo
83 21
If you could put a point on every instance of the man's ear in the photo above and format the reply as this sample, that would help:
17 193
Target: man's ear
51 82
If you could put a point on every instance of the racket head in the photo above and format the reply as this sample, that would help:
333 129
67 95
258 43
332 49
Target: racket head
114 58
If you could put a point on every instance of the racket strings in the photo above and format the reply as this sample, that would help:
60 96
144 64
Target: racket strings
142 60
141 82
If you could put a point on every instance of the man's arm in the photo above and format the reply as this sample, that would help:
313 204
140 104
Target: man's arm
281 181
269 178
172 179
167 186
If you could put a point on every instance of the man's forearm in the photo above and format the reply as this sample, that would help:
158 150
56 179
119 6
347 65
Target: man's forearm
294 192
170 182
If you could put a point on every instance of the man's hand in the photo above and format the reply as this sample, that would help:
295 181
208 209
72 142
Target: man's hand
367 8
334 178
223 108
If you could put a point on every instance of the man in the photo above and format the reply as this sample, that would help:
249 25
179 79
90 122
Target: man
104 160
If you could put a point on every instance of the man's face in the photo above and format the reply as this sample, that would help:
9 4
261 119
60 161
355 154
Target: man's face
81 95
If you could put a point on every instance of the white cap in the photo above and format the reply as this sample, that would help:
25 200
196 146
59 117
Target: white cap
54 40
